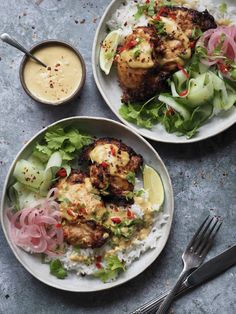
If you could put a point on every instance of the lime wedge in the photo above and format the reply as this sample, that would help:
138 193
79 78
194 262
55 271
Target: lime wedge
108 50
153 184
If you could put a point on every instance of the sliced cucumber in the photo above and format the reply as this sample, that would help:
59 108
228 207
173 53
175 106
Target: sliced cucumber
168 100
26 173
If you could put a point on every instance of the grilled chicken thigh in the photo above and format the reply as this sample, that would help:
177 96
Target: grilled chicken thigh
86 233
150 54
79 203
112 168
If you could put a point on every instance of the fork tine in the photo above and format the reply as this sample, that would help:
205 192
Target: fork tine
201 236
205 248
204 239
197 233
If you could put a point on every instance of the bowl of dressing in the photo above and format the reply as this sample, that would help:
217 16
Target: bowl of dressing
63 78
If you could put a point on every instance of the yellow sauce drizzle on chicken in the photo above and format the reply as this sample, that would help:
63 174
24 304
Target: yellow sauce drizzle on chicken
140 56
110 153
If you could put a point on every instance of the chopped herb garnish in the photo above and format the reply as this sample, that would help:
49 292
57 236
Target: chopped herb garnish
223 8
112 269
151 9
136 52
131 177
160 27
140 11
76 248
57 269
217 50
139 192
196 33
129 196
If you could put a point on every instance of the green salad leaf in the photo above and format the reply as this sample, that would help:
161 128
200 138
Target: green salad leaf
68 141
113 267
144 115
57 269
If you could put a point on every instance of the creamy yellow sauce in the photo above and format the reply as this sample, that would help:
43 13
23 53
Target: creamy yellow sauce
59 80
175 46
110 154
79 197
143 60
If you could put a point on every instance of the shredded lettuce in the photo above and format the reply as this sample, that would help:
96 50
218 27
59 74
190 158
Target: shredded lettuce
113 267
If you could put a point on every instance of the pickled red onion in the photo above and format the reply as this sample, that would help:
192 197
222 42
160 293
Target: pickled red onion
35 228
212 38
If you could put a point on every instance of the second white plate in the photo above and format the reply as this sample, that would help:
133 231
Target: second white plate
111 92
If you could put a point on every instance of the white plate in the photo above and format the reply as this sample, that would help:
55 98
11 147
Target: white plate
111 92
100 127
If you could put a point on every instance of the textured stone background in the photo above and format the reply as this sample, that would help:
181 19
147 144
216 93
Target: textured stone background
203 174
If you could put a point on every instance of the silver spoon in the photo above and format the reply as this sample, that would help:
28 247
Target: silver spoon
9 40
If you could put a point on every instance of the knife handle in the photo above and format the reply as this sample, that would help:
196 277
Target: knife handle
153 305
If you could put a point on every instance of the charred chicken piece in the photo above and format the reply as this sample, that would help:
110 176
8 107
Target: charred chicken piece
86 233
150 54
189 19
138 72
78 197
112 163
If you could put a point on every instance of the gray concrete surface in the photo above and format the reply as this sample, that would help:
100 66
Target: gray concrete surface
203 174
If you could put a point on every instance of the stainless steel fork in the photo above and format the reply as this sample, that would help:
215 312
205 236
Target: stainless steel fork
194 255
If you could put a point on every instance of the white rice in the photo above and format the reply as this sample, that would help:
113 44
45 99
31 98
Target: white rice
124 20
128 255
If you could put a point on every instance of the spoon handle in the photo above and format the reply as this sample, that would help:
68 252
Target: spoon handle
11 41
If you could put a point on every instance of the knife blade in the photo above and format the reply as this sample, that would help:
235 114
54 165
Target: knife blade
205 272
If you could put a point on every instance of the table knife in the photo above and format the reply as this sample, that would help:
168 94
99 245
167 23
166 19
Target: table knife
206 271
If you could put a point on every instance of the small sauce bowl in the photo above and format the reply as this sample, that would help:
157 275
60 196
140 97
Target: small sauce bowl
49 77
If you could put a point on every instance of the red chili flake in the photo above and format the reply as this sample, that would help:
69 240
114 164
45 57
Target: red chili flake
113 150
130 214
98 259
61 173
147 1
223 68
70 212
98 265
131 44
116 220
184 93
58 225
104 164
170 111
183 70
192 44
83 210
172 15
158 16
